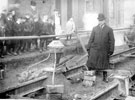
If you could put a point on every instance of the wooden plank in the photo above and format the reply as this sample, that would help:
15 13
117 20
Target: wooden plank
77 75
117 60
101 94
129 55
128 51
55 88
24 84
130 98
29 91
90 78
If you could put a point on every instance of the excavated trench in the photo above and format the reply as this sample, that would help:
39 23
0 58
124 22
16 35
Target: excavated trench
73 86
69 74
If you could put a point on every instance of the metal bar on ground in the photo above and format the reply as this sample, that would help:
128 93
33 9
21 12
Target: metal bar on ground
129 51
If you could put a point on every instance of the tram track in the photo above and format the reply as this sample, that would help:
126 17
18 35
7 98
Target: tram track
28 87
25 89
129 53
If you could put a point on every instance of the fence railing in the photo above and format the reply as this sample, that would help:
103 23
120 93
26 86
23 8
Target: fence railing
79 32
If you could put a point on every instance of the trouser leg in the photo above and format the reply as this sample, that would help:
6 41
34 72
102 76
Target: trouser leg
36 44
2 69
42 41
8 46
1 49
29 45
105 76
58 56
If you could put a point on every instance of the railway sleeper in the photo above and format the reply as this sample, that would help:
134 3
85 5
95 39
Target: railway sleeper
30 91
75 74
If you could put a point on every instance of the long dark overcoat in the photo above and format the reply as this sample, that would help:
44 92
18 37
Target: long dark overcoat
100 47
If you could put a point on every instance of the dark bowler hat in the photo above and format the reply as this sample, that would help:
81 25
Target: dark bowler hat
33 3
101 17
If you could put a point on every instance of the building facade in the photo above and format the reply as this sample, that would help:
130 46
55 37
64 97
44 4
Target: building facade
119 13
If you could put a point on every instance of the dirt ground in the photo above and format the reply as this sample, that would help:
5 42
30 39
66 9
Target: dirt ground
77 89
71 90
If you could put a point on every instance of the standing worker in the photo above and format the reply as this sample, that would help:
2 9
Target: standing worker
70 27
2 26
100 47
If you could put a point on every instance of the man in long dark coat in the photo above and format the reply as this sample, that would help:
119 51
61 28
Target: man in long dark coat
100 47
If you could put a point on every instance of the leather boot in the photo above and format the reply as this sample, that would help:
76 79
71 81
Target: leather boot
105 79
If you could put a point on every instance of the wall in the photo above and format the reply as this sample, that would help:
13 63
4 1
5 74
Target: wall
121 13
3 5
129 6
72 8
63 13
91 10
75 11
66 8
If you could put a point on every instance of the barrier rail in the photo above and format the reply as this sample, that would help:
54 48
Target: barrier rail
50 36
117 29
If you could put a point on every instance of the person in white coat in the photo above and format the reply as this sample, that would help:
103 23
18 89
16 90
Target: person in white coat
70 28
58 29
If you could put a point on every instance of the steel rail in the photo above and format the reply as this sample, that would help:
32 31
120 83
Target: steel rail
117 55
113 57
103 95
18 88
78 67
132 50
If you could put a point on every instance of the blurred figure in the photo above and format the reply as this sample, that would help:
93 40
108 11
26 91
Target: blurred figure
58 30
50 30
51 26
37 29
2 30
70 28
14 32
1 35
22 33
2 70
44 32
9 32
28 27
33 10
19 32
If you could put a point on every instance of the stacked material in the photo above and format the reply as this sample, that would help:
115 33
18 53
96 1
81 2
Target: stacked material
89 78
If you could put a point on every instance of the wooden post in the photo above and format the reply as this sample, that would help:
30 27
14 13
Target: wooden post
53 76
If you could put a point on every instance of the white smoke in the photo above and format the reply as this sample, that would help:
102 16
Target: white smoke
90 20
3 5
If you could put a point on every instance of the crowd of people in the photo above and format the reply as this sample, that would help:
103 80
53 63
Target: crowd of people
100 45
12 25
